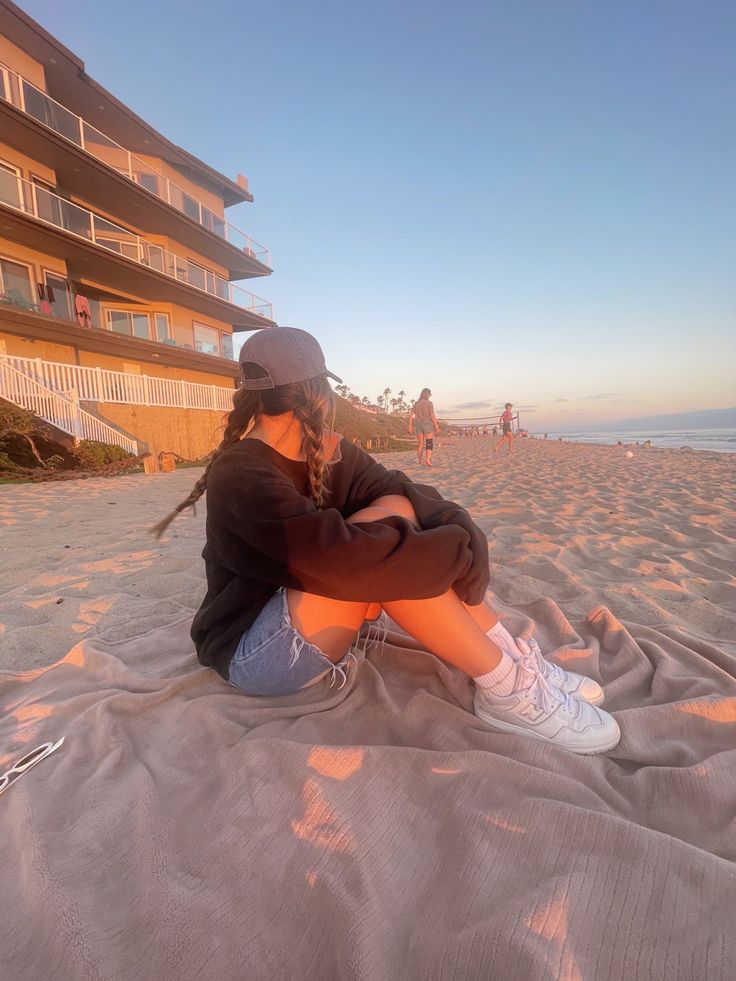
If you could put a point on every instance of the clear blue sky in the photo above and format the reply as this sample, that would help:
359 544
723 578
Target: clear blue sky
532 201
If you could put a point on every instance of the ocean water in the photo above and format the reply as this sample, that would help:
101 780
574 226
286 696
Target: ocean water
719 440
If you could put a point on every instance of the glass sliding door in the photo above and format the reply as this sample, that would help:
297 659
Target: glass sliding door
57 296
206 339
118 321
11 189
140 326
47 204
162 327
15 283
127 322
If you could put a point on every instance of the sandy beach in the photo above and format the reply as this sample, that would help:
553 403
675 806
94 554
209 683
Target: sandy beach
653 538
185 830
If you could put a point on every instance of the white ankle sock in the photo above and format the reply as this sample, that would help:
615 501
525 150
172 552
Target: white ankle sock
502 679
503 639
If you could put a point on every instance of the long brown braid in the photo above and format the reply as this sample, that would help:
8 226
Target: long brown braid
305 399
312 422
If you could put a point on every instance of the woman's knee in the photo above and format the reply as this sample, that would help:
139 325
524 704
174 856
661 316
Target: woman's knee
396 504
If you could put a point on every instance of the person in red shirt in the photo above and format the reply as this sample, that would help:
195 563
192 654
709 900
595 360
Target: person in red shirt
505 421
308 537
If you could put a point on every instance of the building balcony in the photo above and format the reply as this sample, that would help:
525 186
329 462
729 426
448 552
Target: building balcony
89 163
27 321
94 247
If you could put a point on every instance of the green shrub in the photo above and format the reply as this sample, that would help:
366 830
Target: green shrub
6 463
92 454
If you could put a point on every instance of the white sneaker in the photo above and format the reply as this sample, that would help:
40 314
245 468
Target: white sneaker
568 682
536 708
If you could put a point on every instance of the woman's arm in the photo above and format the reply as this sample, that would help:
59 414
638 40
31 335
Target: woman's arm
287 541
370 480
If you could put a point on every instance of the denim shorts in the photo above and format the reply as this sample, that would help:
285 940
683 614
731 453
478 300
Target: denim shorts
273 658
424 426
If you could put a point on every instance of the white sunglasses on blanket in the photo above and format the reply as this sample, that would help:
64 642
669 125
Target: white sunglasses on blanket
24 764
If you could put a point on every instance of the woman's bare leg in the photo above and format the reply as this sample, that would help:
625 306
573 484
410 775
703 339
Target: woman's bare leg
420 445
442 624
483 615
396 504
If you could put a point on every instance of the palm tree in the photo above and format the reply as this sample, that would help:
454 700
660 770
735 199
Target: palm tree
402 403
379 401
386 393
365 400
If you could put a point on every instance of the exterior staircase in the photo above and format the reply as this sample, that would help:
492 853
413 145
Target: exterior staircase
61 409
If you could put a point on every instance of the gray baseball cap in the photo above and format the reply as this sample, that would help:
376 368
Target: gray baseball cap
286 354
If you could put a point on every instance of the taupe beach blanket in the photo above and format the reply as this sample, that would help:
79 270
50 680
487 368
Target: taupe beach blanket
380 831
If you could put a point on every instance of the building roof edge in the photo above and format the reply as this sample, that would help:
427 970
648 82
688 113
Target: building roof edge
233 192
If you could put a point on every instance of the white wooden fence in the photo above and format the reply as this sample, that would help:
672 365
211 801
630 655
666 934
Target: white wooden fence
104 385
60 409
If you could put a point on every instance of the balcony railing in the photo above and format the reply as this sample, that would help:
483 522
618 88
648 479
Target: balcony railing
104 385
31 199
22 94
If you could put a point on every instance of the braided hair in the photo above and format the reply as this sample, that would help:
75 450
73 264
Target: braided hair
307 400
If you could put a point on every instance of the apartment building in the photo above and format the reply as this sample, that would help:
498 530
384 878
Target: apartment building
118 267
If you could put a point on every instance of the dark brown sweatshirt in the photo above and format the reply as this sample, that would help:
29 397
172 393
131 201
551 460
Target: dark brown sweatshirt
263 532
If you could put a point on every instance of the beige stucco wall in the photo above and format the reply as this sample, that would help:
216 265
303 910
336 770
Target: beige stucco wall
21 347
27 165
23 63
192 433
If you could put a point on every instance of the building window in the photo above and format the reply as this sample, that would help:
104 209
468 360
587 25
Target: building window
162 327
15 283
126 322
227 346
206 339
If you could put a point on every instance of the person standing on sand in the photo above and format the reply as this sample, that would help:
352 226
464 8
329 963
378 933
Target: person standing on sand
308 537
506 421
423 419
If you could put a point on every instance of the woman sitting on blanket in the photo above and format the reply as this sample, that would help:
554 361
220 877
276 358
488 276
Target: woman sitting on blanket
308 537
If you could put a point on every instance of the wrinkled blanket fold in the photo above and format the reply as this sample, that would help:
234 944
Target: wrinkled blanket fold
374 831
